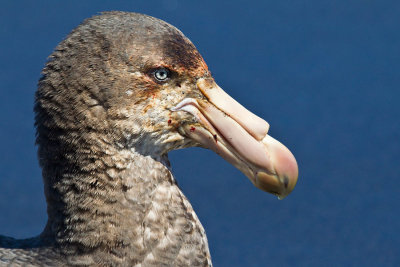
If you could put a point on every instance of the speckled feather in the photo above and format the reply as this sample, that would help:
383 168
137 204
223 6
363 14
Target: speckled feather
104 129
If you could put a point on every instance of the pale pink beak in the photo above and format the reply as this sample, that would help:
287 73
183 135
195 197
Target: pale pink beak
240 137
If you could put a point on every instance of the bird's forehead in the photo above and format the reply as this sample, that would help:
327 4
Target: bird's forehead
169 48
180 53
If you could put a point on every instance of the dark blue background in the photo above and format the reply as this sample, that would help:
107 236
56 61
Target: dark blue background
325 74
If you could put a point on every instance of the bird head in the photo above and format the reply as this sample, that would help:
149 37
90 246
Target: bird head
136 82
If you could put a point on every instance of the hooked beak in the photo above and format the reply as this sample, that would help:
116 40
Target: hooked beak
241 138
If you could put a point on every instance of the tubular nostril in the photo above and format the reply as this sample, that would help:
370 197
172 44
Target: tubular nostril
267 129
254 125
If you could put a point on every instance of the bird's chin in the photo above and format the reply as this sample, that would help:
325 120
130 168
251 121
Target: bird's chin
241 138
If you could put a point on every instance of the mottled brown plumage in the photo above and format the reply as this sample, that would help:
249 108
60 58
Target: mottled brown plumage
119 93
103 137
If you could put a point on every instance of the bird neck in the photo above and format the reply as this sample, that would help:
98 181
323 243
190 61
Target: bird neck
100 197
113 204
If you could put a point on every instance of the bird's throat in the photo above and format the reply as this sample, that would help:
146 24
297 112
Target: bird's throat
119 202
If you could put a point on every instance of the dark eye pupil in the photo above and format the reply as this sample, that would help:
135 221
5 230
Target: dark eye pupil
161 74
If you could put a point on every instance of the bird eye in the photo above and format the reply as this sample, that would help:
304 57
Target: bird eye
161 74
